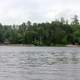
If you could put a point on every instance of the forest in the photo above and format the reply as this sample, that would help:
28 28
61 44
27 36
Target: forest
57 32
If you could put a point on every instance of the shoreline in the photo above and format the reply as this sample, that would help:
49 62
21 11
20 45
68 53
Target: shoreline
30 45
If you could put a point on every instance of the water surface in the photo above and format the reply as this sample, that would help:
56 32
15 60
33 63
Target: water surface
39 63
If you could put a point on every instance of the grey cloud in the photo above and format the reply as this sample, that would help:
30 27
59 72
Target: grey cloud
18 11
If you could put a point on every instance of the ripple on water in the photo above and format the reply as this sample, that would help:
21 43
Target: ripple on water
39 63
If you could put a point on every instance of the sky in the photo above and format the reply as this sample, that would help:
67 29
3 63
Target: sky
18 11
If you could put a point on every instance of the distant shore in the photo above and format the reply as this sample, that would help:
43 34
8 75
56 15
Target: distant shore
31 45
16 45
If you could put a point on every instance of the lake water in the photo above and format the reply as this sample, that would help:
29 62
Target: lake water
39 63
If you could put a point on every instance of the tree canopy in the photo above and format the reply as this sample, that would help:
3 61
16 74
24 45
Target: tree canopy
58 32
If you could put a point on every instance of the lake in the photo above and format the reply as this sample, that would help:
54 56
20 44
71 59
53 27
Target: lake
39 63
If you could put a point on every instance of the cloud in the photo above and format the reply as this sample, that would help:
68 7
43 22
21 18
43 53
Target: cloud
18 11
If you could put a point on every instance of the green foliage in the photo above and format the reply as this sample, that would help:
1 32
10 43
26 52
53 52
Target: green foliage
42 34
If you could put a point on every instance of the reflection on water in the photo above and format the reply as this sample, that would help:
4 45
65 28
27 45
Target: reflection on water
39 63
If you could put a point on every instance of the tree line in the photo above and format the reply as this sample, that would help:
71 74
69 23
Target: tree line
57 32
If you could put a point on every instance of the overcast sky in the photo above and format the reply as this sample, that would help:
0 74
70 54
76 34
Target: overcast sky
18 11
